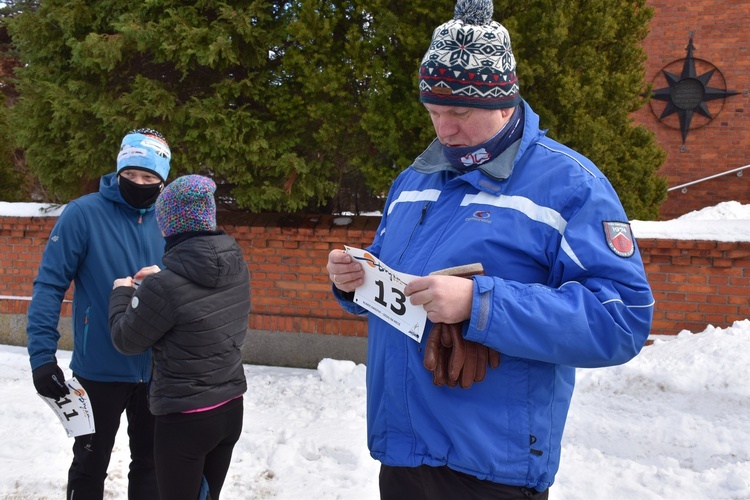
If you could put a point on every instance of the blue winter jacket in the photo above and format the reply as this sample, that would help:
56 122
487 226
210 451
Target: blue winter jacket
555 296
97 239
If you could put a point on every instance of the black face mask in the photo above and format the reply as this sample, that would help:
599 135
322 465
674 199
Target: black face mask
139 195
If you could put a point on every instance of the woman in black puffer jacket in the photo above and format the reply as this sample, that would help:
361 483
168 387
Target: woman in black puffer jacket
194 315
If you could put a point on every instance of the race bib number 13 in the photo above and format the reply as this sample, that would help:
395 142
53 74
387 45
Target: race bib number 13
383 295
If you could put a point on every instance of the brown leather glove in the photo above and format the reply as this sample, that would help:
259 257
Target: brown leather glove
455 361
444 353
451 359
478 356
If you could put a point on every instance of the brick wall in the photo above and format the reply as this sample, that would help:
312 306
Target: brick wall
286 256
696 283
721 40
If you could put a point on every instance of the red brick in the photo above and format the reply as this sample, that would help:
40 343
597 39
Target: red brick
291 292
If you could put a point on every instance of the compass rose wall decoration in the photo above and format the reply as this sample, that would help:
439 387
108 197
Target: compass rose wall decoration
688 94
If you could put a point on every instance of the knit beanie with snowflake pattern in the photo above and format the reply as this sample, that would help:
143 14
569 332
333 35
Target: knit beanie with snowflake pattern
470 62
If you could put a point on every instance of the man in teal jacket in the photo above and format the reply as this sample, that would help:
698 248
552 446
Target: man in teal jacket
563 285
98 238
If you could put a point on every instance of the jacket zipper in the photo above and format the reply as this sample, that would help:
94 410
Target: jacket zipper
421 222
86 329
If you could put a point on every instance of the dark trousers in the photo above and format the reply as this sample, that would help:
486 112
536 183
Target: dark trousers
442 483
91 453
191 446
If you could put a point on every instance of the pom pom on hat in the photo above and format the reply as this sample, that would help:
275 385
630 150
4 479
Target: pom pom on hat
477 12
145 149
187 204
470 61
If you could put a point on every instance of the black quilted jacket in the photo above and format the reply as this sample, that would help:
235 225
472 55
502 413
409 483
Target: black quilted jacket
194 314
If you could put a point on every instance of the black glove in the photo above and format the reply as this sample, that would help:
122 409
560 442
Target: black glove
49 381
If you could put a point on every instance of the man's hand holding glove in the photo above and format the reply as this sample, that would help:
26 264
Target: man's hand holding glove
49 381
451 359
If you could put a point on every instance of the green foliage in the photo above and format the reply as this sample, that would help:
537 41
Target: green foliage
308 104
11 180
196 71
581 67
11 177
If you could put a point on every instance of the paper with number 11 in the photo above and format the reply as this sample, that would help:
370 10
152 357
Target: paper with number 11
383 295
74 410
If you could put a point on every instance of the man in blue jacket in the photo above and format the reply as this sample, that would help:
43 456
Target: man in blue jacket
98 238
477 408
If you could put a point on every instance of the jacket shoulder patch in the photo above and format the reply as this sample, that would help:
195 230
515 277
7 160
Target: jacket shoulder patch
619 238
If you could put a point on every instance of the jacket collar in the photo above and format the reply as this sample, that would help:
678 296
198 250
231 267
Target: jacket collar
110 189
432 159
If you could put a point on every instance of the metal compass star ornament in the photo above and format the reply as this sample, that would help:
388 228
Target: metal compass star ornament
688 93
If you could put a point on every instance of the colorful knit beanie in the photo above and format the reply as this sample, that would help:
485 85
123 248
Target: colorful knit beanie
470 62
187 204
145 149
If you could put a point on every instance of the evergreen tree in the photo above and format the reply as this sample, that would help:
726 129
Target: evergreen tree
11 176
199 72
302 104
11 179
581 66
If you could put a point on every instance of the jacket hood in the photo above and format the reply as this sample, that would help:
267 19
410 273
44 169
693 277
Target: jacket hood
109 188
212 260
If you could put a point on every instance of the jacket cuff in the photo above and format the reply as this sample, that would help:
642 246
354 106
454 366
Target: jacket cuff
481 309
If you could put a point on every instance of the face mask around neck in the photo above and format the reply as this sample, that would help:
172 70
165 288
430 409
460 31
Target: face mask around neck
467 158
139 195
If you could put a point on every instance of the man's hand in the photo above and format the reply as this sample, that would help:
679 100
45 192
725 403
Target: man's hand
49 381
447 299
345 273
447 295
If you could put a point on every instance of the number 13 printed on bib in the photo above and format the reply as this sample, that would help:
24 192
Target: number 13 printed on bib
383 295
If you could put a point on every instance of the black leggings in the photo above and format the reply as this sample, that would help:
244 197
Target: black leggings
190 446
